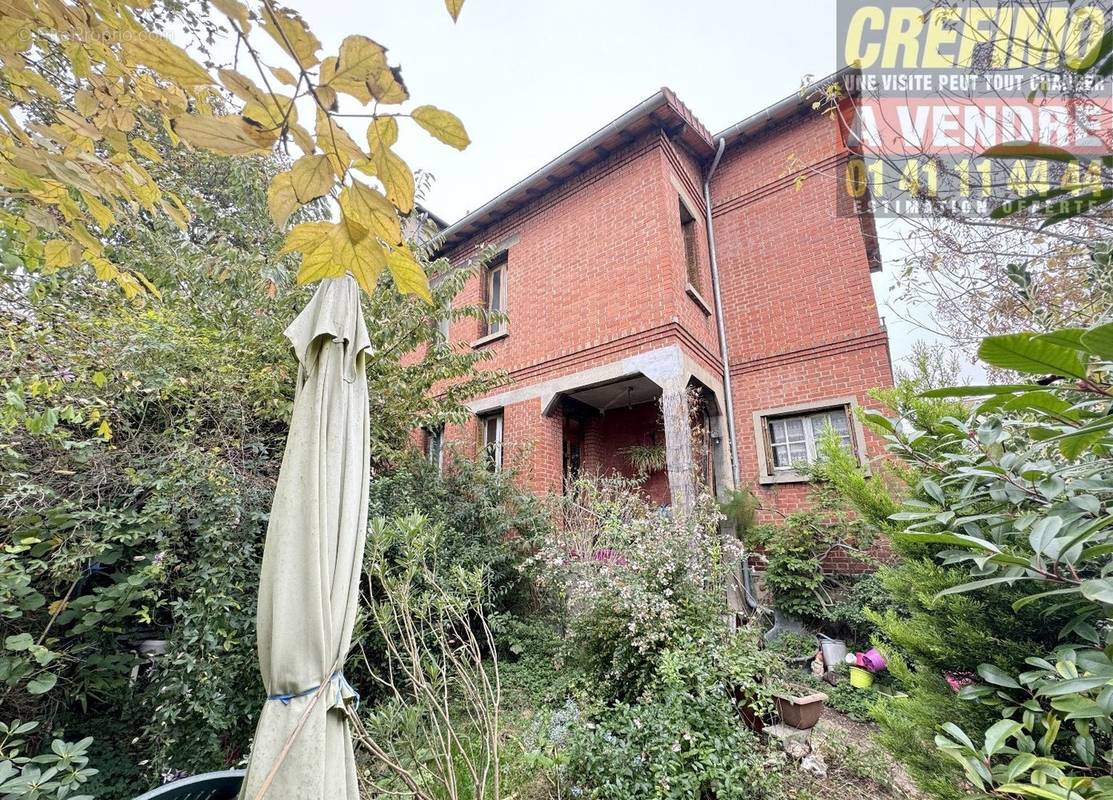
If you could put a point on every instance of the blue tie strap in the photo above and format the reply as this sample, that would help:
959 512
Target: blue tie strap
339 689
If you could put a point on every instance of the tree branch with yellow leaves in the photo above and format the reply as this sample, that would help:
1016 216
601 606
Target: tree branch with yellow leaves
91 92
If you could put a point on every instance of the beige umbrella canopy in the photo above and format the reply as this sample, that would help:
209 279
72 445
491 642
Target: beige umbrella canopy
309 581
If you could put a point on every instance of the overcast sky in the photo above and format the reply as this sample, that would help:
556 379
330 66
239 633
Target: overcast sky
530 79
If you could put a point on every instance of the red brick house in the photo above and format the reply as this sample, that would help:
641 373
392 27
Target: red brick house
613 294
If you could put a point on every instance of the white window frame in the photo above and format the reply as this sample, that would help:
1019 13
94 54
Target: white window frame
492 450
495 327
770 474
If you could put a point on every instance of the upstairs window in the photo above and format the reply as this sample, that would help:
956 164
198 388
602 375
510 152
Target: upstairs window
494 295
690 233
490 430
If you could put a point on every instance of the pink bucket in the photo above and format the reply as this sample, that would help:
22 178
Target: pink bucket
873 660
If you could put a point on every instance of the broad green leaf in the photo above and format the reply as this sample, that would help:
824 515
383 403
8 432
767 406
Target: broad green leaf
1099 341
19 642
444 126
999 733
978 391
1100 590
997 676
1072 686
42 683
962 588
1070 338
1023 353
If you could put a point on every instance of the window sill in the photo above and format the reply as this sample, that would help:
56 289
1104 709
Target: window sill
782 476
697 298
490 337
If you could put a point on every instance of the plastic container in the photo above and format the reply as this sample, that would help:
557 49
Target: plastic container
861 678
873 660
834 651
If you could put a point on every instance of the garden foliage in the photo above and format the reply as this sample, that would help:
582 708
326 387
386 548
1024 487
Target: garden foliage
999 613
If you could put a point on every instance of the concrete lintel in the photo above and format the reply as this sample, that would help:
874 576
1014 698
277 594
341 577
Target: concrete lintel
664 366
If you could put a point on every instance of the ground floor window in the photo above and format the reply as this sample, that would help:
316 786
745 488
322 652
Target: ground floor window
490 427
789 438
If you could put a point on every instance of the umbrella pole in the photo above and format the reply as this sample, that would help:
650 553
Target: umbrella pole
294 734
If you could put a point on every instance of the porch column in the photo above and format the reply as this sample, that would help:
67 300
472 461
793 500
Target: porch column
678 445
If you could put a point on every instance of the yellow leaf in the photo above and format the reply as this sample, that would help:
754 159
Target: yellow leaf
396 178
178 213
281 199
382 132
318 264
311 177
356 252
235 11
57 607
284 76
326 96
56 254
386 86
146 149
99 211
292 35
443 125
303 138
305 237
85 103
358 60
240 85
81 234
409 277
104 430
77 123
167 59
225 135
104 268
337 144
454 7
367 207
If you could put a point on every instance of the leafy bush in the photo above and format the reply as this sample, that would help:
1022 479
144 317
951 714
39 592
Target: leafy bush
1016 490
794 550
634 581
683 740
1006 543
925 636
53 775
140 445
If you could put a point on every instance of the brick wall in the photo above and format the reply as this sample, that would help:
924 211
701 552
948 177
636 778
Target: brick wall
797 295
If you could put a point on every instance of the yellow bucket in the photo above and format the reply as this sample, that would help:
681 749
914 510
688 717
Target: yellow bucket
861 678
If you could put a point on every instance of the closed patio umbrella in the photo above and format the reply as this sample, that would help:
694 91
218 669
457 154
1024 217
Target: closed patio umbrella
309 580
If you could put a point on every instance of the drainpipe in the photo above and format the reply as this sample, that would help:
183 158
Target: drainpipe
724 355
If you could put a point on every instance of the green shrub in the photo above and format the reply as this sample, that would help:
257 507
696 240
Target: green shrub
684 739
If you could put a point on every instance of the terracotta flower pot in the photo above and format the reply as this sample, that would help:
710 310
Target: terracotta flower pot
800 711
